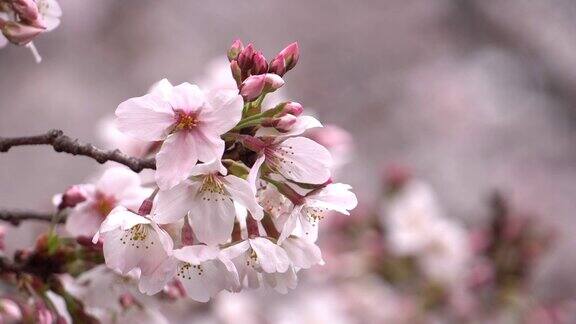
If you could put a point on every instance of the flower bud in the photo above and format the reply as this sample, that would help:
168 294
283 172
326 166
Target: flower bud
277 66
252 87
18 33
245 58
292 108
72 197
255 85
291 55
285 123
260 65
26 9
236 72
235 50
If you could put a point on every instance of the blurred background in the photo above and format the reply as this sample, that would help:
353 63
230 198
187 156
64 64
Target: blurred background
472 95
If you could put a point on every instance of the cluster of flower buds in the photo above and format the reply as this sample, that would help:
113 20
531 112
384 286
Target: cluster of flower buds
256 77
22 20
237 194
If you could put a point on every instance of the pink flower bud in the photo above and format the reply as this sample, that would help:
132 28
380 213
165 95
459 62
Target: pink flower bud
272 82
186 233
72 197
285 123
145 207
255 85
26 9
10 310
291 55
260 65
252 87
236 72
246 57
292 108
18 33
277 66
235 50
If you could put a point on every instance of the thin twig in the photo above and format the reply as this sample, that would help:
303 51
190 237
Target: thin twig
15 217
63 143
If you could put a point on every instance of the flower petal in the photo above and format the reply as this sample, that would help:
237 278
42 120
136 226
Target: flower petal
226 111
176 158
303 160
187 97
145 118
213 218
196 254
152 283
209 146
173 204
242 192
272 257
302 253
83 220
335 196
302 124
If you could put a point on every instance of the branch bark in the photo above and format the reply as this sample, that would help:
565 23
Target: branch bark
15 217
63 143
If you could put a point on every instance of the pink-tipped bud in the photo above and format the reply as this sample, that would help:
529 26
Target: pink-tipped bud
145 207
252 87
246 57
18 33
235 50
291 55
236 72
26 9
291 108
278 66
72 197
260 65
285 123
255 85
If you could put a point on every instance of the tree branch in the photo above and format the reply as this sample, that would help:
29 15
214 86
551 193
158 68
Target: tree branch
63 143
15 217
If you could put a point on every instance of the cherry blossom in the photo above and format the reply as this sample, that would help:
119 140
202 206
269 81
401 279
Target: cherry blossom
189 122
132 241
117 186
335 196
208 198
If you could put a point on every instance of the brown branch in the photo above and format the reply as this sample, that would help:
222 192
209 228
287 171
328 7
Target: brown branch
15 217
63 143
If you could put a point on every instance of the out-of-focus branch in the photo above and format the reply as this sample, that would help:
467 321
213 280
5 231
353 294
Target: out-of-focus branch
63 143
15 217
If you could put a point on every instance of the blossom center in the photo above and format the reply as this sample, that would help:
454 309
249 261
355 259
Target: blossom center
104 204
137 236
212 185
186 121
187 269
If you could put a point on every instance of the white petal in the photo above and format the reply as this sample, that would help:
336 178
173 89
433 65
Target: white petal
175 160
209 146
272 258
212 219
116 180
155 281
162 89
187 97
226 111
253 175
303 160
214 166
235 250
173 204
203 284
309 229
83 220
242 192
335 196
302 253
290 224
145 118
121 218
282 281
196 254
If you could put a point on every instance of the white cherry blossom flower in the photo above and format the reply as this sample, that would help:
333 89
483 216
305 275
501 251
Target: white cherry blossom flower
335 196
257 255
189 122
202 270
132 241
208 198
117 186
297 158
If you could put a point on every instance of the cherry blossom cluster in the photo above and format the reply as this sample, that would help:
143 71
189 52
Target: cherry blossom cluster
237 194
22 20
